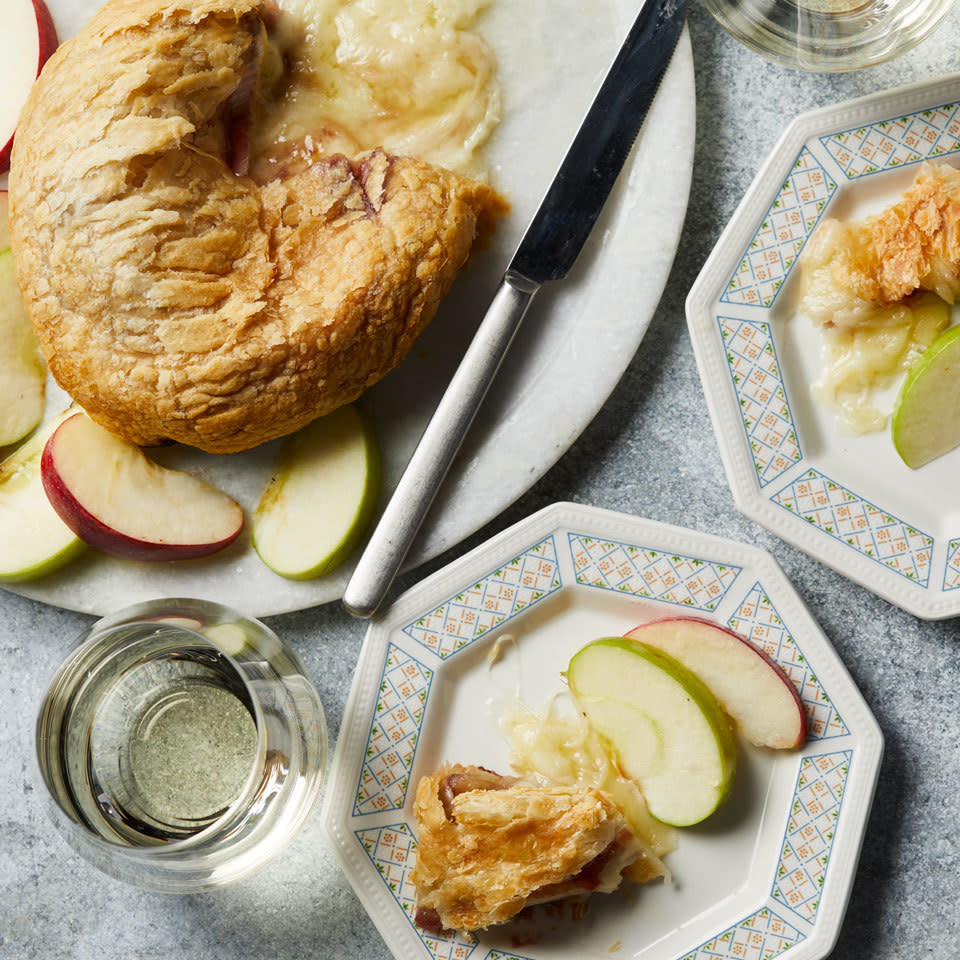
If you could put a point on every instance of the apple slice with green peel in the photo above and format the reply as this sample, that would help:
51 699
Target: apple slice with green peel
751 687
321 496
663 726
35 540
926 417
22 370
113 497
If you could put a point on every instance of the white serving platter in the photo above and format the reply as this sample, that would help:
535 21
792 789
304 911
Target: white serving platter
768 876
848 501
572 350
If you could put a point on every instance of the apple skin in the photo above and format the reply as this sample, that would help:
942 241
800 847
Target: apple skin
108 538
47 43
739 704
291 509
925 423
663 726
37 542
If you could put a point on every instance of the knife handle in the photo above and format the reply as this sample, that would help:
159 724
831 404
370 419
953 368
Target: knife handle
390 541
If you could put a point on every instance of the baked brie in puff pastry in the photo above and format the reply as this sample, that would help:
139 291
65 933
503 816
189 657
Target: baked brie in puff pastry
488 846
176 299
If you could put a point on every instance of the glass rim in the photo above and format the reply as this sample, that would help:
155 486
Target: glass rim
175 861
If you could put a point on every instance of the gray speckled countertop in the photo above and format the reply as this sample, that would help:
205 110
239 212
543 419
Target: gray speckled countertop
903 902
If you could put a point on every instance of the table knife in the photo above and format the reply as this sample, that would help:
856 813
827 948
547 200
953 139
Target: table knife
546 253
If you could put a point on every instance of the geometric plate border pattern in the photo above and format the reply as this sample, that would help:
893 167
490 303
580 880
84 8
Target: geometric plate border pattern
642 572
778 241
391 850
866 153
399 699
951 572
898 142
858 523
764 408
811 830
761 936
394 733
526 580
757 620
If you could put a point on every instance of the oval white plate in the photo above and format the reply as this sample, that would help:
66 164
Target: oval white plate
848 501
768 875
572 350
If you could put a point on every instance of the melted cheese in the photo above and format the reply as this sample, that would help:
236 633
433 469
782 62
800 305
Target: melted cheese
859 361
551 748
343 76
867 346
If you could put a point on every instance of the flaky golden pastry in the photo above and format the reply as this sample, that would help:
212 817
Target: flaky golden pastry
855 267
176 300
488 846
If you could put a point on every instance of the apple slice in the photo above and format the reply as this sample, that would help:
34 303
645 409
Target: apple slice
4 221
321 497
926 418
27 40
752 689
118 501
663 726
35 540
22 370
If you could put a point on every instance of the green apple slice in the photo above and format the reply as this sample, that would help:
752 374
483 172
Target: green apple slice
22 371
321 496
663 726
926 418
35 540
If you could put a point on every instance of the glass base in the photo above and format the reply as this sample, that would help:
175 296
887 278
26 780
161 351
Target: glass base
183 745
829 35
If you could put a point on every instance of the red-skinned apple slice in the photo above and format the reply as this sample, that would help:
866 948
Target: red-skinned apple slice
752 688
27 40
117 500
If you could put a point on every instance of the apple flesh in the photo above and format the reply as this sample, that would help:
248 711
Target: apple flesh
117 500
321 496
35 540
750 687
27 40
926 418
22 370
663 726
4 221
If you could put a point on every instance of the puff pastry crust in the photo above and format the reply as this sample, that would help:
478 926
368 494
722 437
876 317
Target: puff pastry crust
858 266
488 846
176 300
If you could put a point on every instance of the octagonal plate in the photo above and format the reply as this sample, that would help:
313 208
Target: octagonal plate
767 876
849 501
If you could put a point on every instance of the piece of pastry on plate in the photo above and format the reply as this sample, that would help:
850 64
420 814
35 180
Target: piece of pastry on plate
176 298
860 272
488 846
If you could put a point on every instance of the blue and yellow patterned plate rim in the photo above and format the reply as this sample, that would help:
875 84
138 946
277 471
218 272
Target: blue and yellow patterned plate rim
847 501
768 877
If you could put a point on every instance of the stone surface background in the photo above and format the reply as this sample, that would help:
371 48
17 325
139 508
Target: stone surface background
635 458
